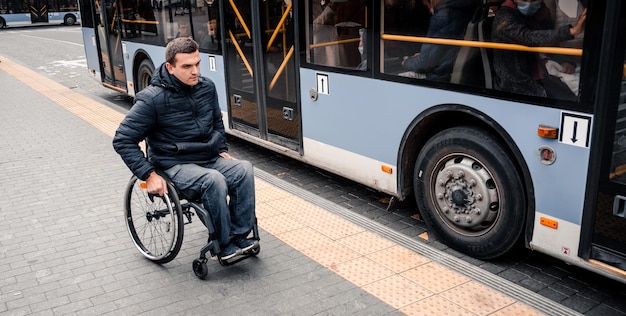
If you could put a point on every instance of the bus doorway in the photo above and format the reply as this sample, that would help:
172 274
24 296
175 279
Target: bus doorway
608 240
38 11
609 230
262 74
109 42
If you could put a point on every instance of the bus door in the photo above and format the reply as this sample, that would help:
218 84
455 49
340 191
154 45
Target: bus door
609 230
109 42
608 238
261 68
38 11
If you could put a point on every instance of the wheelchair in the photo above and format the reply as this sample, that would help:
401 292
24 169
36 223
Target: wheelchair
156 225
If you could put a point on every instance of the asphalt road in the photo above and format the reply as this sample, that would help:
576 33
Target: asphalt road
57 52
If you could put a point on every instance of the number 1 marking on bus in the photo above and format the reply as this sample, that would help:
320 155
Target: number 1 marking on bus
212 66
322 84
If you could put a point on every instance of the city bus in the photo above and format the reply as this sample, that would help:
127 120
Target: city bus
28 12
333 83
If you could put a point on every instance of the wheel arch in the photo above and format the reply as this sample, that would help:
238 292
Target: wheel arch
444 116
140 56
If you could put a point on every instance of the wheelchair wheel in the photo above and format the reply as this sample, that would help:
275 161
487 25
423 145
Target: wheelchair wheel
155 223
200 268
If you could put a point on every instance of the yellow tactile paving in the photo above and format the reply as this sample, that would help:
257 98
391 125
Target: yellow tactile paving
435 305
366 243
400 290
398 259
401 278
477 298
435 277
362 271
331 254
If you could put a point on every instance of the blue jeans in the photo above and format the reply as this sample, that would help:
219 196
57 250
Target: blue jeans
227 191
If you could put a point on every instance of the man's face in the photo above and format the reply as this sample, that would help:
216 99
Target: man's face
183 30
186 68
212 26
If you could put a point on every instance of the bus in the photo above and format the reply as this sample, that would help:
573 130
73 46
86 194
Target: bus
333 83
28 12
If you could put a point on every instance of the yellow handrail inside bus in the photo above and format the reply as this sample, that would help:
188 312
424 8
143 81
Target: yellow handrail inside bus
243 57
243 23
281 68
323 44
279 26
141 21
494 45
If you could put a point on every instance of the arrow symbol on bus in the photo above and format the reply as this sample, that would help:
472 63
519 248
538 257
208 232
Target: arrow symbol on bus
574 132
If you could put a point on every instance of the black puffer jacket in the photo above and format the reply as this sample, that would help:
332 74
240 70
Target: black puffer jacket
181 124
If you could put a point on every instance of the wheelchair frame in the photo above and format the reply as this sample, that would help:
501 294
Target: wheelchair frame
156 225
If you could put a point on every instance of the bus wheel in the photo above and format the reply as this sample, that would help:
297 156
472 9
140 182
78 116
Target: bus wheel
69 20
144 75
469 192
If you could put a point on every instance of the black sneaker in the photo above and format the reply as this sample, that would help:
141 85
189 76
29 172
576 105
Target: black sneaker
230 251
244 243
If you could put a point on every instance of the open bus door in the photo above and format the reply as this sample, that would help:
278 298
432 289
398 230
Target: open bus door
109 42
604 230
261 62
38 11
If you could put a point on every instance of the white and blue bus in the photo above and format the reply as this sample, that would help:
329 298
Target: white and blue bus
28 12
323 81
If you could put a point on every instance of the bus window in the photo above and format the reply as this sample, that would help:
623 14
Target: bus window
206 22
552 72
139 21
414 55
335 38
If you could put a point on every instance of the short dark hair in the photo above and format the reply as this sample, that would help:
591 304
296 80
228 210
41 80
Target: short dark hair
185 45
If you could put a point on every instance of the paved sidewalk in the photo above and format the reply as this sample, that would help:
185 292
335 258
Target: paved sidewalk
64 248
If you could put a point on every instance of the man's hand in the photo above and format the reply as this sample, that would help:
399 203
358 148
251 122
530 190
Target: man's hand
568 68
156 184
580 24
226 155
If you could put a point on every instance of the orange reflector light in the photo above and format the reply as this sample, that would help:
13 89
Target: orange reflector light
143 185
547 132
549 222
386 169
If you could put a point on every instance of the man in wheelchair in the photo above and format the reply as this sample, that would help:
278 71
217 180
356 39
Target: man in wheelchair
179 118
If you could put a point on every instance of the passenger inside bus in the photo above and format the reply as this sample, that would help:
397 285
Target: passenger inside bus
530 23
184 30
362 50
335 32
565 12
209 40
449 20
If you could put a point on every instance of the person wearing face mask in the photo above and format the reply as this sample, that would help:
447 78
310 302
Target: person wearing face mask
530 23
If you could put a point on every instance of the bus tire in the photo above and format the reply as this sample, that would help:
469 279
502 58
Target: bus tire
144 75
69 20
469 192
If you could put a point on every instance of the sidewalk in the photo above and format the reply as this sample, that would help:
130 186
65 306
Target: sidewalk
64 248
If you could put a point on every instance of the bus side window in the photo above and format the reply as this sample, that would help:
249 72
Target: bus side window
473 64
444 19
335 36
553 73
139 21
